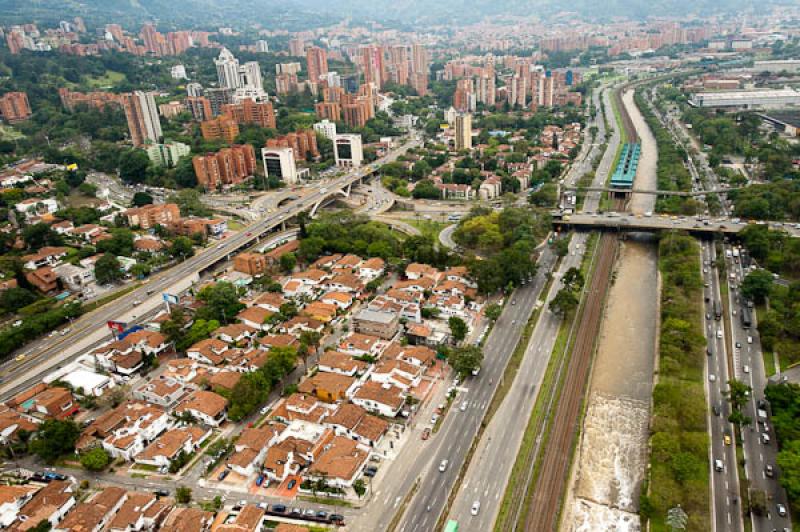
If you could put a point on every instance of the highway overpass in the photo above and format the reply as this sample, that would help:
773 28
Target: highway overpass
45 354
630 223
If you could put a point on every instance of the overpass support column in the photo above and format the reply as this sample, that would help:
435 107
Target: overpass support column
314 209
283 226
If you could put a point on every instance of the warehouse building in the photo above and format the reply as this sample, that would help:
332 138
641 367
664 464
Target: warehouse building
747 99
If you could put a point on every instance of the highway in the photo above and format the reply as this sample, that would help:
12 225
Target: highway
757 453
488 473
725 508
86 330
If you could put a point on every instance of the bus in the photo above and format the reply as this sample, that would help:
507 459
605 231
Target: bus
717 310
452 526
746 317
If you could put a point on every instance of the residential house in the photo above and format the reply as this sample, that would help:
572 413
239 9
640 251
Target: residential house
330 387
341 363
354 422
371 269
12 499
208 407
94 515
255 317
384 399
163 391
169 445
339 463
378 323
343 300
51 503
43 401
357 344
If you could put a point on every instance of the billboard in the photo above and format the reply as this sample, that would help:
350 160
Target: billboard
170 298
116 326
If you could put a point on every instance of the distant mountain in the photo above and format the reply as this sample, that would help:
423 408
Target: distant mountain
294 14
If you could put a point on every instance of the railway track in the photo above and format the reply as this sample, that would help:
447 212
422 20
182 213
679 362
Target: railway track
555 454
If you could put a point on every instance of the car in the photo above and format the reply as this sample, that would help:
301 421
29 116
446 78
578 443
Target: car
263 410
765 438
738 345
260 480
476 507
749 339
727 439
369 474
718 465
434 419
708 316
20 358
781 509
769 471
17 323
161 492
279 508
336 518
426 433
464 406
716 410
712 377
309 513
263 506
291 483
475 372
296 511
322 514
443 466
223 474
513 301
746 369
242 503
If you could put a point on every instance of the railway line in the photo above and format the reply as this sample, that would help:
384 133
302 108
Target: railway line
553 452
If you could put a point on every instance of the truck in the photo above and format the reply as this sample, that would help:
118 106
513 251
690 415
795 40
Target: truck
746 317
728 253
717 310
762 414
736 253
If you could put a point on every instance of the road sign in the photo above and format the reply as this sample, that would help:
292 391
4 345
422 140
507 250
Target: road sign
170 298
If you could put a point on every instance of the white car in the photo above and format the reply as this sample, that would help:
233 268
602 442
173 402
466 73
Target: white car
464 406
712 377
476 507
443 466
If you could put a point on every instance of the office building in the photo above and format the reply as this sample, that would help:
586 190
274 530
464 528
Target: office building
279 162
14 107
326 128
464 132
167 155
262 47
142 115
317 60
250 112
348 151
221 128
228 166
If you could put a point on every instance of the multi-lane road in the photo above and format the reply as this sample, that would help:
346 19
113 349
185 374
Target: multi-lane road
86 330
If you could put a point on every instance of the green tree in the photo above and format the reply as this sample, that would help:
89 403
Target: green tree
141 198
737 393
757 285
466 359
573 279
458 329
133 165
13 299
288 261
564 302
183 495
182 247
54 439
221 302
359 487
493 311
561 247
39 235
107 269
95 459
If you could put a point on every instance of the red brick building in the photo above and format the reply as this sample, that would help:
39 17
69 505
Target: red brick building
303 142
222 128
14 107
226 167
151 215
250 112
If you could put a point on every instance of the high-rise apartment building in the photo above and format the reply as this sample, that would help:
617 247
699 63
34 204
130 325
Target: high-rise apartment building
297 47
326 128
317 60
14 107
221 128
398 64
228 166
262 46
142 115
279 162
244 80
464 132
517 91
200 107
227 70
419 59
372 65
194 89
218 97
167 155
251 112
303 142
